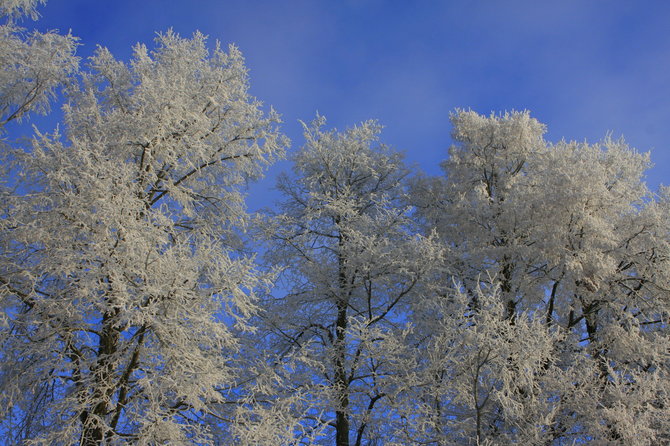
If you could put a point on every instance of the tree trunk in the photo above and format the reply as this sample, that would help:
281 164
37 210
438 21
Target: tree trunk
93 431
341 380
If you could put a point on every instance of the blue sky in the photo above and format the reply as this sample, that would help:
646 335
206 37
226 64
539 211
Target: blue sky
584 68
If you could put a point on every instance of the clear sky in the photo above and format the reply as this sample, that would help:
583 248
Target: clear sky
584 68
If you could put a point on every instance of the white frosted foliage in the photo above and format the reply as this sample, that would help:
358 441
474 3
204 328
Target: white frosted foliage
520 298
561 251
120 280
33 64
352 263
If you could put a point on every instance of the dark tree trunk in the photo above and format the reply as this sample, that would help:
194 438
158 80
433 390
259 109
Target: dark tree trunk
341 379
93 432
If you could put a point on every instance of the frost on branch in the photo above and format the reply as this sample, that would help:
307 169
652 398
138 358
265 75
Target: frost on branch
352 263
521 298
572 240
479 378
14 9
119 279
33 64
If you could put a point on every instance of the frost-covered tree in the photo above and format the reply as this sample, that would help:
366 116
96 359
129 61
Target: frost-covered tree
476 377
574 242
33 64
480 208
121 285
533 309
351 263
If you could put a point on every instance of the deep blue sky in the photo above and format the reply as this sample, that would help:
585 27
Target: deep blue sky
584 68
